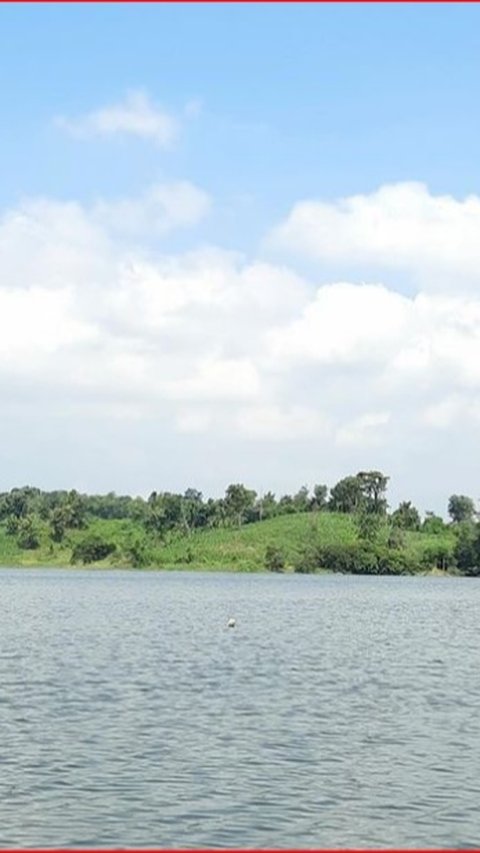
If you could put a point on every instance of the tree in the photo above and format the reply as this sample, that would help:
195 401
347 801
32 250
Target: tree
68 514
286 505
191 510
28 534
373 485
238 499
433 523
319 499
438 555
346 495
301 500
73 508
406 517
266 506
58 524
17 502
467 548
461 508
165 512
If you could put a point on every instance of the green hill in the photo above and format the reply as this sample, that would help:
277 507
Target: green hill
219 549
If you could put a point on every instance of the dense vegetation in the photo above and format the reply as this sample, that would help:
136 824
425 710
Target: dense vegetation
348 529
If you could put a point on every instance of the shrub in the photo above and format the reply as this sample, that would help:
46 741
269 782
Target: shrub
274 559
12 525
137 552
358 559
307 562
92 548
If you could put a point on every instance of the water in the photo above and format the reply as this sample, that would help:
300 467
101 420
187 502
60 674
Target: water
339 712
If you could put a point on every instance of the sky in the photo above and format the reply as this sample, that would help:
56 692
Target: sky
240 243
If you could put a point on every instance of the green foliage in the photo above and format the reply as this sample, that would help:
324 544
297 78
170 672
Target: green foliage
406 517
301 500
238 500
396 538
19 502
461 508
433 523
240 531
346 495
357 558
369 524
439 555
274 558
467 548
373 486
92 548
266 507
319 499
68 513
137 551
363 492
11 525
28 532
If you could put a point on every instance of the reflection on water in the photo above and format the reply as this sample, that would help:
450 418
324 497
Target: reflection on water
339 712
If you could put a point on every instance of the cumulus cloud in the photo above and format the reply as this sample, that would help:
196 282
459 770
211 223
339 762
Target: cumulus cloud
343 323
137 115
221 347
434 238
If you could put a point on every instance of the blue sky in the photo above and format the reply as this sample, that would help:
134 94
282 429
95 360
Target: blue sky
297 99
274 106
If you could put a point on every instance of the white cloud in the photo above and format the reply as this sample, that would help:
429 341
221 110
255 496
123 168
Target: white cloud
290 423
219 349
401 226
193 420
365 430
343 323
38 322
215 378
160 209
136 115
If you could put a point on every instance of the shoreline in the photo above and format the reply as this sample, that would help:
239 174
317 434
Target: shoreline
98 567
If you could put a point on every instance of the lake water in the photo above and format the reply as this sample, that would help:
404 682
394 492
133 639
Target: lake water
339 712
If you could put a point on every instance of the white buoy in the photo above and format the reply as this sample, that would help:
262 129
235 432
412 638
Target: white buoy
231 622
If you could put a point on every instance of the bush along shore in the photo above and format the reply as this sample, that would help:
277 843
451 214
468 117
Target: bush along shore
348 529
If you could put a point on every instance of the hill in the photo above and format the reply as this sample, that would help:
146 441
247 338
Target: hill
218 549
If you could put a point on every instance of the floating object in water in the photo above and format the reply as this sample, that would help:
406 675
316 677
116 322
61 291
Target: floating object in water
231 622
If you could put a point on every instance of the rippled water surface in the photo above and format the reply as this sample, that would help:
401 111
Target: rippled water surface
338 712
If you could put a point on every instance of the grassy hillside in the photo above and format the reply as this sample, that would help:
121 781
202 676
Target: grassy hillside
227 549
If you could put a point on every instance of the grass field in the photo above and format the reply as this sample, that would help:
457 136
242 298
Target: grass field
221 549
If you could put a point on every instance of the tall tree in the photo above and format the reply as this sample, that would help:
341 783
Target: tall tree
301 500
467 548
266 506
238 499
346 495
373 485
319 499
461 508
